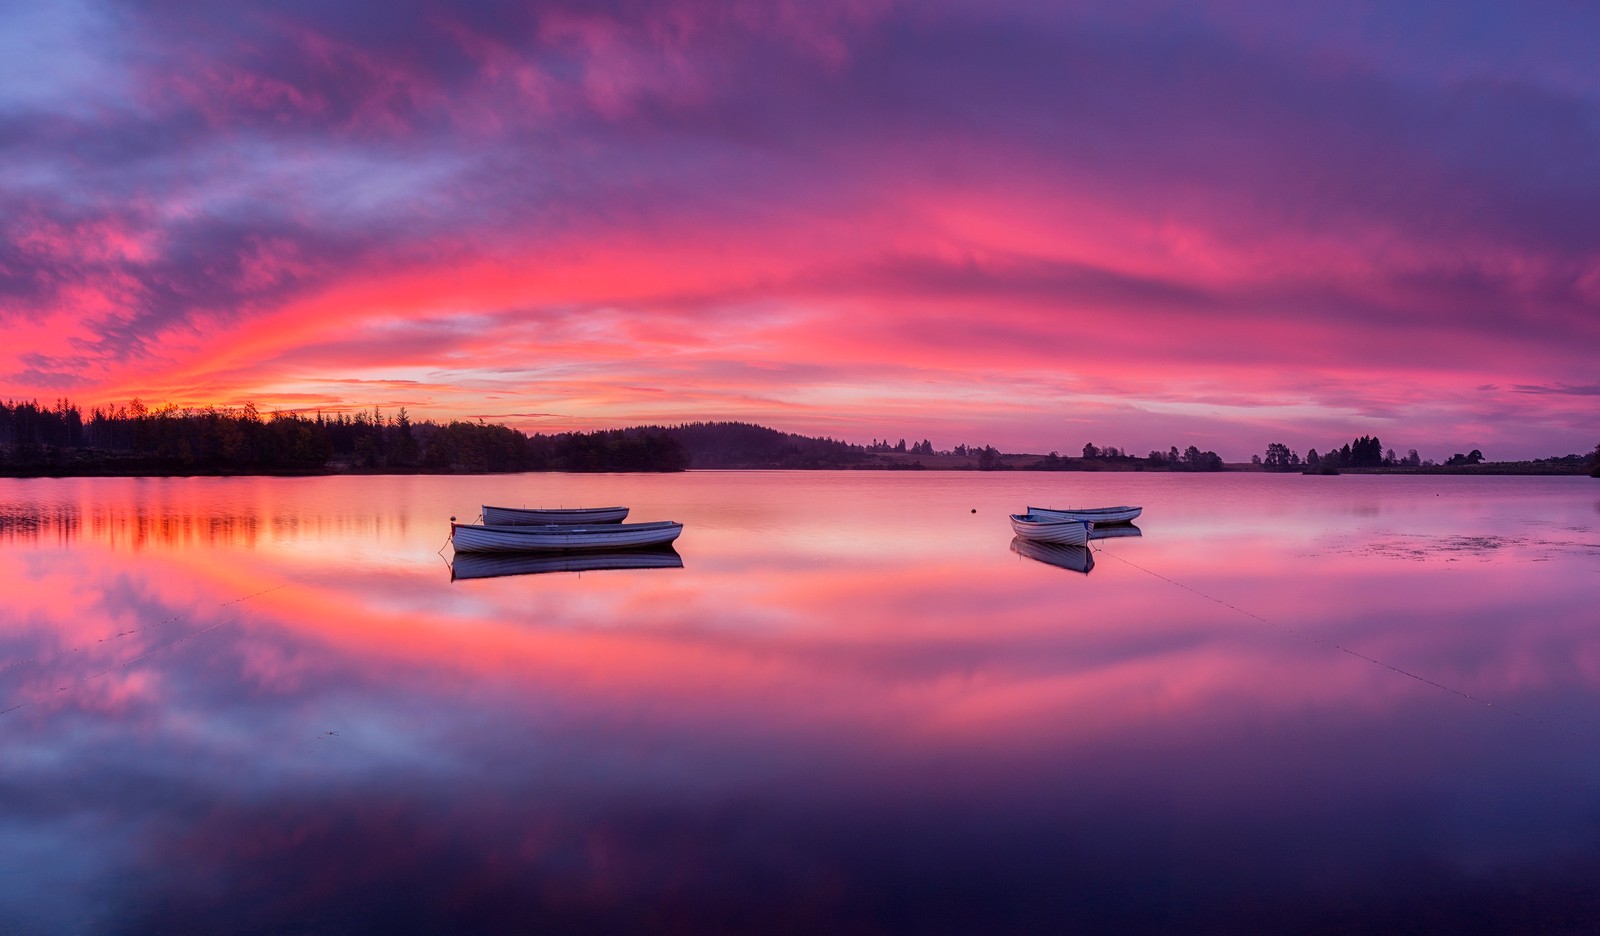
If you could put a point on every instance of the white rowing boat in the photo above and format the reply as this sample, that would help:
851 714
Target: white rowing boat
509 516
472 565
1100 516
471 537
1119 531
1051 530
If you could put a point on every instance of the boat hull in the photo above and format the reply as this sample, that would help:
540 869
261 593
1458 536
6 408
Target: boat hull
467 537
1100 516
475 565
1117 531
513 516
1040 530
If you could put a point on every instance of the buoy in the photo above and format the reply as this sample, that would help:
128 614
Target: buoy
974 510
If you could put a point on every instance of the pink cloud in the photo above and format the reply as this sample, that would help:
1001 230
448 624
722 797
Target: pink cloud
821 218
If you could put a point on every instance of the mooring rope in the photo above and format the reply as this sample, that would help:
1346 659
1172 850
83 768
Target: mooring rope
1311 638
130 632
137 630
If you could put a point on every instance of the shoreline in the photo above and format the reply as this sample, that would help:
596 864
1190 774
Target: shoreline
1006 464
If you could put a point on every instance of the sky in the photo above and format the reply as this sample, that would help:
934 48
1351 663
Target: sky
1027 224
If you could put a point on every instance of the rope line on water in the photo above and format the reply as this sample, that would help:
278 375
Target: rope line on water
145 655
1303 635
130 632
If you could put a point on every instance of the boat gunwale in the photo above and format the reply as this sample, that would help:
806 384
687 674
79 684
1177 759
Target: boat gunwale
1103 515
565 528
506 516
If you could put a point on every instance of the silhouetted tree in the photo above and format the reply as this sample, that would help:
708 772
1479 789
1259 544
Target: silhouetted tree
1196 460
1365 452
1278 456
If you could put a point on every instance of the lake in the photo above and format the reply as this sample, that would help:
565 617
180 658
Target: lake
1291 704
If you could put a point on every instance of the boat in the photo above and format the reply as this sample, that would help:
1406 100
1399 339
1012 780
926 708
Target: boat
1072 558
1100 516
509 516
476 565
1118 531
1050 529
473 537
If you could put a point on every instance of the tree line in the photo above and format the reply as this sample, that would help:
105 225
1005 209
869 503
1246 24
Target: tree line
61 438
1369 452
135 439
1363 452
1192 458
917 448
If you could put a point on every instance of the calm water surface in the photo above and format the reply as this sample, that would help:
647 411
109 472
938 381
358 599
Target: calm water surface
1291 705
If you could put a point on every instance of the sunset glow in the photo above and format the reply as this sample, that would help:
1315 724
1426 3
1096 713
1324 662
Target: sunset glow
1024 224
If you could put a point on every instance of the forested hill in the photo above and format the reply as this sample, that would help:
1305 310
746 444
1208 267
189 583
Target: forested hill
63 440
745 445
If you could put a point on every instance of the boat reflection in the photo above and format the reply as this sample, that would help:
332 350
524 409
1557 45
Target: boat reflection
494 565
1114 532
1073 558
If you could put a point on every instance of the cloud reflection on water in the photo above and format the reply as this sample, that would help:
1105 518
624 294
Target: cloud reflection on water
937 739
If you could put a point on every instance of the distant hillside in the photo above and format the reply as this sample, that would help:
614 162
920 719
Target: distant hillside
746 445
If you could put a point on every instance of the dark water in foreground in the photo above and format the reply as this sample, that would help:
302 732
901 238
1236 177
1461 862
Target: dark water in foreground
1292 705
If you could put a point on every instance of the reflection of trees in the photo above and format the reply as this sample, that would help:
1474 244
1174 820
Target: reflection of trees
132 527
175 525
140 527
59 522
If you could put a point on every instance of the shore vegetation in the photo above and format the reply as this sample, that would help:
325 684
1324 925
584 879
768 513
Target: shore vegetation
61 439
